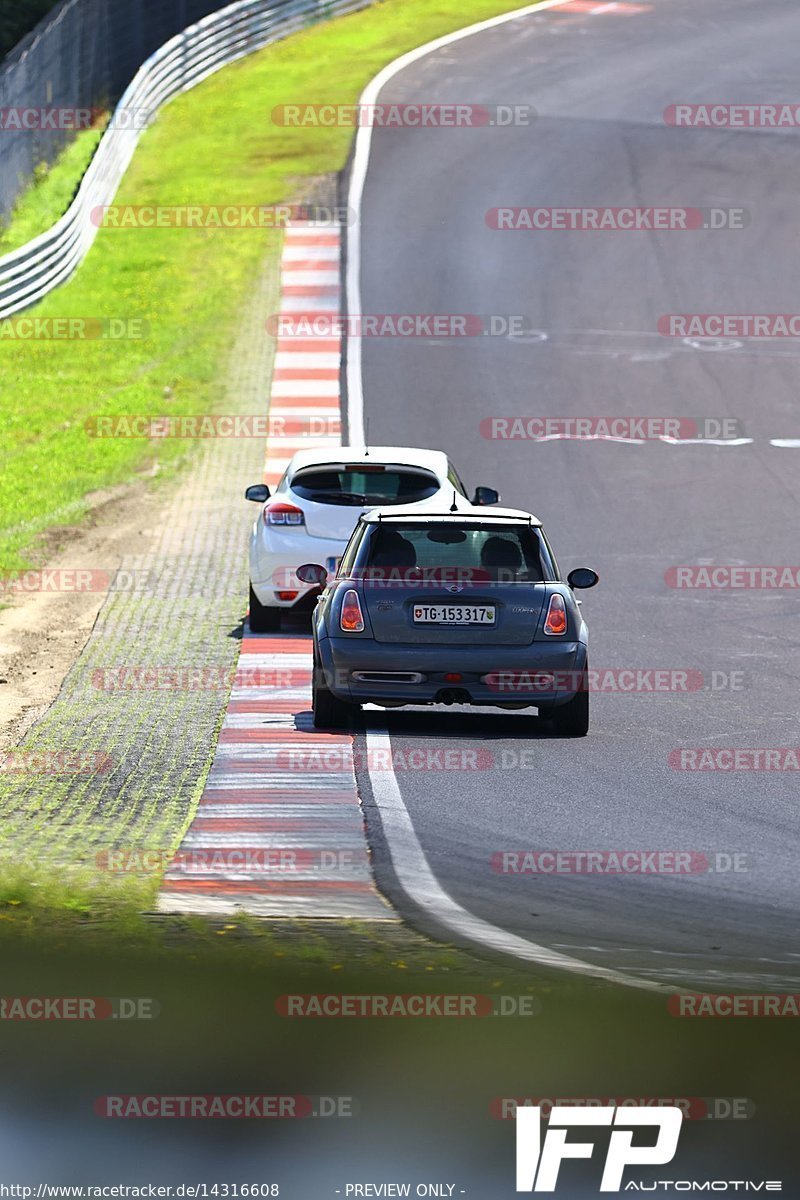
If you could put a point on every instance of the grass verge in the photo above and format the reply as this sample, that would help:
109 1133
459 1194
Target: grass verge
50 194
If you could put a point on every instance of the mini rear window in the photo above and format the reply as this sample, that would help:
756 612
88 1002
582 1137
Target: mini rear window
510 554
362 486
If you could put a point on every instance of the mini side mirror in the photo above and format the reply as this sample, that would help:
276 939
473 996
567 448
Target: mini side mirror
582 577
485 495
258 492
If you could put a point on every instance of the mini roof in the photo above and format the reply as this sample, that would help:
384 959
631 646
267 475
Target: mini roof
472 512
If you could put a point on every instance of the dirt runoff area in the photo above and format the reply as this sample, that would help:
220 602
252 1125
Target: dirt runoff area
49 612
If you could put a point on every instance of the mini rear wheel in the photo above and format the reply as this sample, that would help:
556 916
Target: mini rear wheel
263 619
572 719
329 711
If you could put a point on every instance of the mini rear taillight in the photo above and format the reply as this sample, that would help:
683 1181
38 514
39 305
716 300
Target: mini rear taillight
283 514
555 623
352 618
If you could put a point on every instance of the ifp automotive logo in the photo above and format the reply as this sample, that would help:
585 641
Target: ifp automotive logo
538 1161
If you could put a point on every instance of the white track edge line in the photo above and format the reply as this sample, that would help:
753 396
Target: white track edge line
408 858
418 881
358 178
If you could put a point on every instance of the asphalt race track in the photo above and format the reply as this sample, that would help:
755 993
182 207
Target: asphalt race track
600 82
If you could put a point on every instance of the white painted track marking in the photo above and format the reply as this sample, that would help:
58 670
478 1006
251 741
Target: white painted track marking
408 858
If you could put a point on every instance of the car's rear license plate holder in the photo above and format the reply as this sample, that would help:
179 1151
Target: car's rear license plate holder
454 614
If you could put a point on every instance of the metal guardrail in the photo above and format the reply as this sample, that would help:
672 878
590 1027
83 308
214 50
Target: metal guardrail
29 273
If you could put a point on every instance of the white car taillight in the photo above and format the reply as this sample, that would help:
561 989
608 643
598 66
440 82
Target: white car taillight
283 514
351 619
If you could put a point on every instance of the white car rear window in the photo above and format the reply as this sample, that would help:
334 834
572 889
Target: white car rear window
364 485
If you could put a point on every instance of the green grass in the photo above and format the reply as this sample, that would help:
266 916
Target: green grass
216 144
51 192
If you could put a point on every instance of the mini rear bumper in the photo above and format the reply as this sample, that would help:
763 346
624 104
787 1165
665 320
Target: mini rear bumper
543 674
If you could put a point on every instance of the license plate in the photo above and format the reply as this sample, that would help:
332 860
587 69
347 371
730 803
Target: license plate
332 565
453 614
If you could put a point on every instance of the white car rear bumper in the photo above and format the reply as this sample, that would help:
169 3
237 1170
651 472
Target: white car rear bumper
273 565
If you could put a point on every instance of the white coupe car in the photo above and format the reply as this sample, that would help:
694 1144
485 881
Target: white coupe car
316 505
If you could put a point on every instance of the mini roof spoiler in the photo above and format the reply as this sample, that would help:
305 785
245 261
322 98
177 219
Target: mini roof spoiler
461 515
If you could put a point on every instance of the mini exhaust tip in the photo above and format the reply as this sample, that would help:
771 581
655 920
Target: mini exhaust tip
452 696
